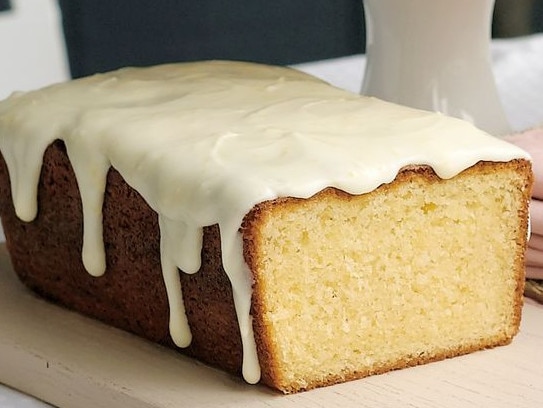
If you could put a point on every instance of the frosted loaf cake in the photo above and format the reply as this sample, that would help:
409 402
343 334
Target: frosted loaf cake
322 236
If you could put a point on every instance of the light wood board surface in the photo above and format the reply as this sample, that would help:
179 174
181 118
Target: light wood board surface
71 361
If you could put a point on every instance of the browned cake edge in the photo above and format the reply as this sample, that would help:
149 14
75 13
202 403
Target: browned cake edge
46 254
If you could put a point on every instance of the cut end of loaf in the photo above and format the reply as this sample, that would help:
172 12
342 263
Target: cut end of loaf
420 269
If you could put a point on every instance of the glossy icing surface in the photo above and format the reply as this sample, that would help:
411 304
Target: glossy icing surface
204 142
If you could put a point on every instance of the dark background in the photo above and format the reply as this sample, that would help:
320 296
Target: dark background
105 34
102 35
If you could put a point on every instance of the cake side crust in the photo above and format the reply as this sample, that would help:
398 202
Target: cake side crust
46 255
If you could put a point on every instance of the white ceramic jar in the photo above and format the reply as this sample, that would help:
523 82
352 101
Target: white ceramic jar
434 55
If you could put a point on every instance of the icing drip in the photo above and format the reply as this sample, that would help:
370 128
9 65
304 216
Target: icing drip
240 277
179 327
204 142
90 172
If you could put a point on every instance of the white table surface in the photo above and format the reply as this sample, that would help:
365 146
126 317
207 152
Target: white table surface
518 68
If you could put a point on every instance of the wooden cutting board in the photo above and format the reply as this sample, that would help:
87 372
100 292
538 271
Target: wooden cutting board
72 361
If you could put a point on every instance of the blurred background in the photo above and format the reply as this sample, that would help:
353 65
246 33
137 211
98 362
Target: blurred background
45 41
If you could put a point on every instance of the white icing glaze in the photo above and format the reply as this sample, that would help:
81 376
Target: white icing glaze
204 142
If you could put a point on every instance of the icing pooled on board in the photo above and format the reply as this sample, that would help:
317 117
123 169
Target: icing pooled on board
204 142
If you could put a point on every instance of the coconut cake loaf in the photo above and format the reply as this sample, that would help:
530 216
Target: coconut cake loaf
265 222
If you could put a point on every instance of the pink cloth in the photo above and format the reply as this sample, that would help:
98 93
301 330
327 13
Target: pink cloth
532 142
